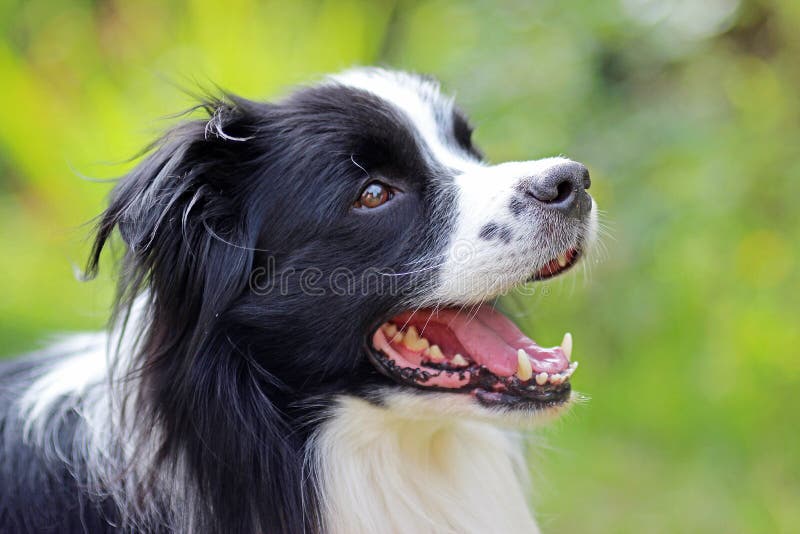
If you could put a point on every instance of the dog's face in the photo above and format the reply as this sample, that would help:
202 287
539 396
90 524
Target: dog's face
350 239
494 227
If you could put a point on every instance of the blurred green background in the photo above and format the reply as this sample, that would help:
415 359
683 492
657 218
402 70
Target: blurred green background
686 112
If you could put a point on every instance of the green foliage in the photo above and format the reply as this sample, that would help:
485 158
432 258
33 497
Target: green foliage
686 113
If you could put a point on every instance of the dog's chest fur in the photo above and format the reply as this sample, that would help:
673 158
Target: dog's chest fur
385 472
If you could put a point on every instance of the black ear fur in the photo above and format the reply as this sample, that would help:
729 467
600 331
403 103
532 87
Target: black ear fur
178 213
183 214
181 169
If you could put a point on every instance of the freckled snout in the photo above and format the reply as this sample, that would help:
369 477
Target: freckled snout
561 188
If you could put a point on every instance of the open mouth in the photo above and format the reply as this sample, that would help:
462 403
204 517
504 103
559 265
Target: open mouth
480 353
477 352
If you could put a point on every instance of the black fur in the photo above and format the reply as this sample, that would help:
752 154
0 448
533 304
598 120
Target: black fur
39 492
238 359
495 231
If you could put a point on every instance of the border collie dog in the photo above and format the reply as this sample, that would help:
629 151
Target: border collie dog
305 337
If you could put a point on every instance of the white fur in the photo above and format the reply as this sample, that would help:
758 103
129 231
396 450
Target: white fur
81 365
88 376
86 373
428 111
419 465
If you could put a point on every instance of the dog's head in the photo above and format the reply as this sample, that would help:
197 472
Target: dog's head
348 239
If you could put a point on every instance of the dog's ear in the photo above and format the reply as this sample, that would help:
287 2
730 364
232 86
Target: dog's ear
190 216
180 212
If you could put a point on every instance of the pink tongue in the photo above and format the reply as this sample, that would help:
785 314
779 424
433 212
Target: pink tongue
492 340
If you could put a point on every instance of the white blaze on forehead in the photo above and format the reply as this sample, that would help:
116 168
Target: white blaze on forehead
419 99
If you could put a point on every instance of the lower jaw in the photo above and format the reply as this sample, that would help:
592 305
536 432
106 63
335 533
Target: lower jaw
556 397
485 388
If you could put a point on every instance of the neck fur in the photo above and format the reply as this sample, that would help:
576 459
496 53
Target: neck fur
383 471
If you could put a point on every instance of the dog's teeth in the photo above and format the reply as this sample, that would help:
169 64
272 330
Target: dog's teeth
541 378
566 345
435 354
392 333
390 329
524 369
570 369
411 334
459 361
562 260
556 379
413 341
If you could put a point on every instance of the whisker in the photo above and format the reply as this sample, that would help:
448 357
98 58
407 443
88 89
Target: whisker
423 269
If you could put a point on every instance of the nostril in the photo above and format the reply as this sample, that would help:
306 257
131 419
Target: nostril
552 189
563 191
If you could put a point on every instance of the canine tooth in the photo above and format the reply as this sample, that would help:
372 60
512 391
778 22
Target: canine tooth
566 345
562 260
459 361
435 354
524 369
398 337
541 378
414 342
390 330
411 334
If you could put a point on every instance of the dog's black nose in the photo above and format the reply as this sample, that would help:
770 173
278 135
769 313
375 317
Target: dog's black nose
562 188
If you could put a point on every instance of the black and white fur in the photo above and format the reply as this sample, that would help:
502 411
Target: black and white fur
214 406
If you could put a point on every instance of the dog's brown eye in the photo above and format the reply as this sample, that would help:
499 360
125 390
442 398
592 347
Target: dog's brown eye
374 195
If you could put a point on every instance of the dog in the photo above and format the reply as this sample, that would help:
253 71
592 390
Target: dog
304 337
